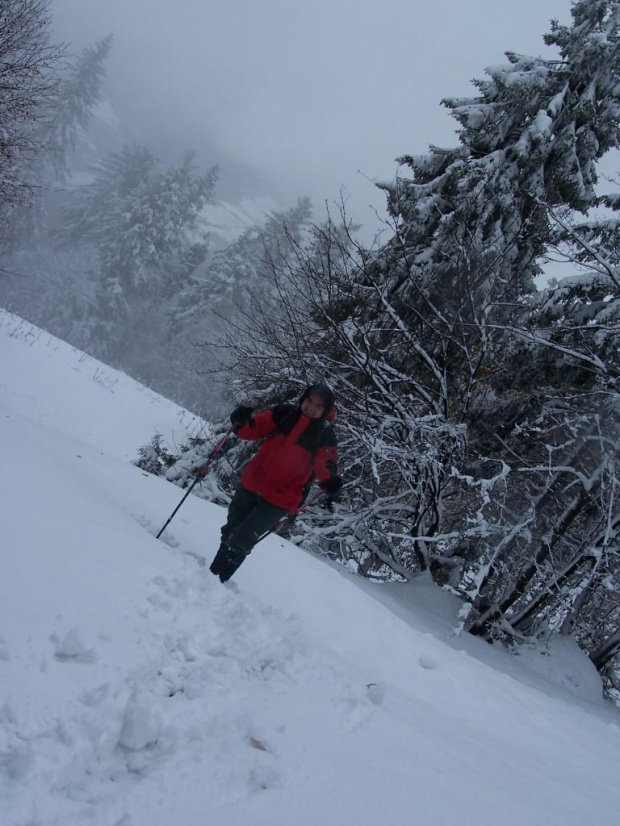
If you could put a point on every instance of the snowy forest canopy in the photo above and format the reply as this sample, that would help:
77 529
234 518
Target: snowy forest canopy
477 397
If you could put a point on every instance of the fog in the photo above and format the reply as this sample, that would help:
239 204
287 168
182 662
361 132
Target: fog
300 98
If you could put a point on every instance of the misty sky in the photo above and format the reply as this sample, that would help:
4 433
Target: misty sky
300 98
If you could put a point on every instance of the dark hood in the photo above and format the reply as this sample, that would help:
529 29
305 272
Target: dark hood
322 390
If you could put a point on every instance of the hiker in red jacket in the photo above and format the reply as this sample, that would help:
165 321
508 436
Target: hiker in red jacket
299 444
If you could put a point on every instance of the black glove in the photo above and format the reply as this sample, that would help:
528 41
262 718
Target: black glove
332 486
241 415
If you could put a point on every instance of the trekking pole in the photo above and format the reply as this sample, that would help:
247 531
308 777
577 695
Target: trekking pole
200 474
282 522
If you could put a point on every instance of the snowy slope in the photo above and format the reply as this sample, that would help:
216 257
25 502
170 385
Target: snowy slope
59 388
136 690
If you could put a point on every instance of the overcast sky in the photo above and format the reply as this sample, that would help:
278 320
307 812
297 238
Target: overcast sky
301 97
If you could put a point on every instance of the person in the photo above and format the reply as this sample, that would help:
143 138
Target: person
299 445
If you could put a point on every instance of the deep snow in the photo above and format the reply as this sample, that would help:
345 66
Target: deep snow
136 690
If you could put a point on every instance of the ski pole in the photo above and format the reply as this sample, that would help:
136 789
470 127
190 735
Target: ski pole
282 522
200 474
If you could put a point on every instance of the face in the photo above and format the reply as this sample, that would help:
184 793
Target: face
313 406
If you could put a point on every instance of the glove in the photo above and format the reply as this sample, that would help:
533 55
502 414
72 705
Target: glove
332 486
241 415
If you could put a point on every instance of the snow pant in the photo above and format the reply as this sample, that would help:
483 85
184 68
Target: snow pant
249 517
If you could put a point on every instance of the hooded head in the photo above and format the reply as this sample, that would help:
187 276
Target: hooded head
326 394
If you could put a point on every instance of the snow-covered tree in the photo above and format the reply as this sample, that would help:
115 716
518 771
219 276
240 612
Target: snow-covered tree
219 295
67 114
141 221
244 268
28 60
563 364
529 139
77 95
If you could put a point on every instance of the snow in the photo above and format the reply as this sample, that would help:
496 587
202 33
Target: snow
542 125
136 690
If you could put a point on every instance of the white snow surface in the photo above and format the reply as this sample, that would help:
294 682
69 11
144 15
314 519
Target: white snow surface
136 690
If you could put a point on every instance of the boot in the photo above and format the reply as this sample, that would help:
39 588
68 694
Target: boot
234 560
220 560
226 562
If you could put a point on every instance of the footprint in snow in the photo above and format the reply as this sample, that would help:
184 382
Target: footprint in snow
375 693
5 651
71 648
202 562
262 778
357 711
167 538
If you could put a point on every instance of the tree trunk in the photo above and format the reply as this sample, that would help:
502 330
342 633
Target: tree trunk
607 650
489 612
522 619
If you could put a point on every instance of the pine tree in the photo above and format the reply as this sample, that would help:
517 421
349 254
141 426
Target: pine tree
219 296
142 223
530 139
473 227
246 266
77 95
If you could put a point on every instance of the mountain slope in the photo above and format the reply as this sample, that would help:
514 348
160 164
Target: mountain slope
135 690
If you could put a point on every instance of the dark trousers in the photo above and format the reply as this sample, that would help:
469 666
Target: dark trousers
249 517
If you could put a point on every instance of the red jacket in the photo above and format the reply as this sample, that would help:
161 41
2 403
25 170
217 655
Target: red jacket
296 449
